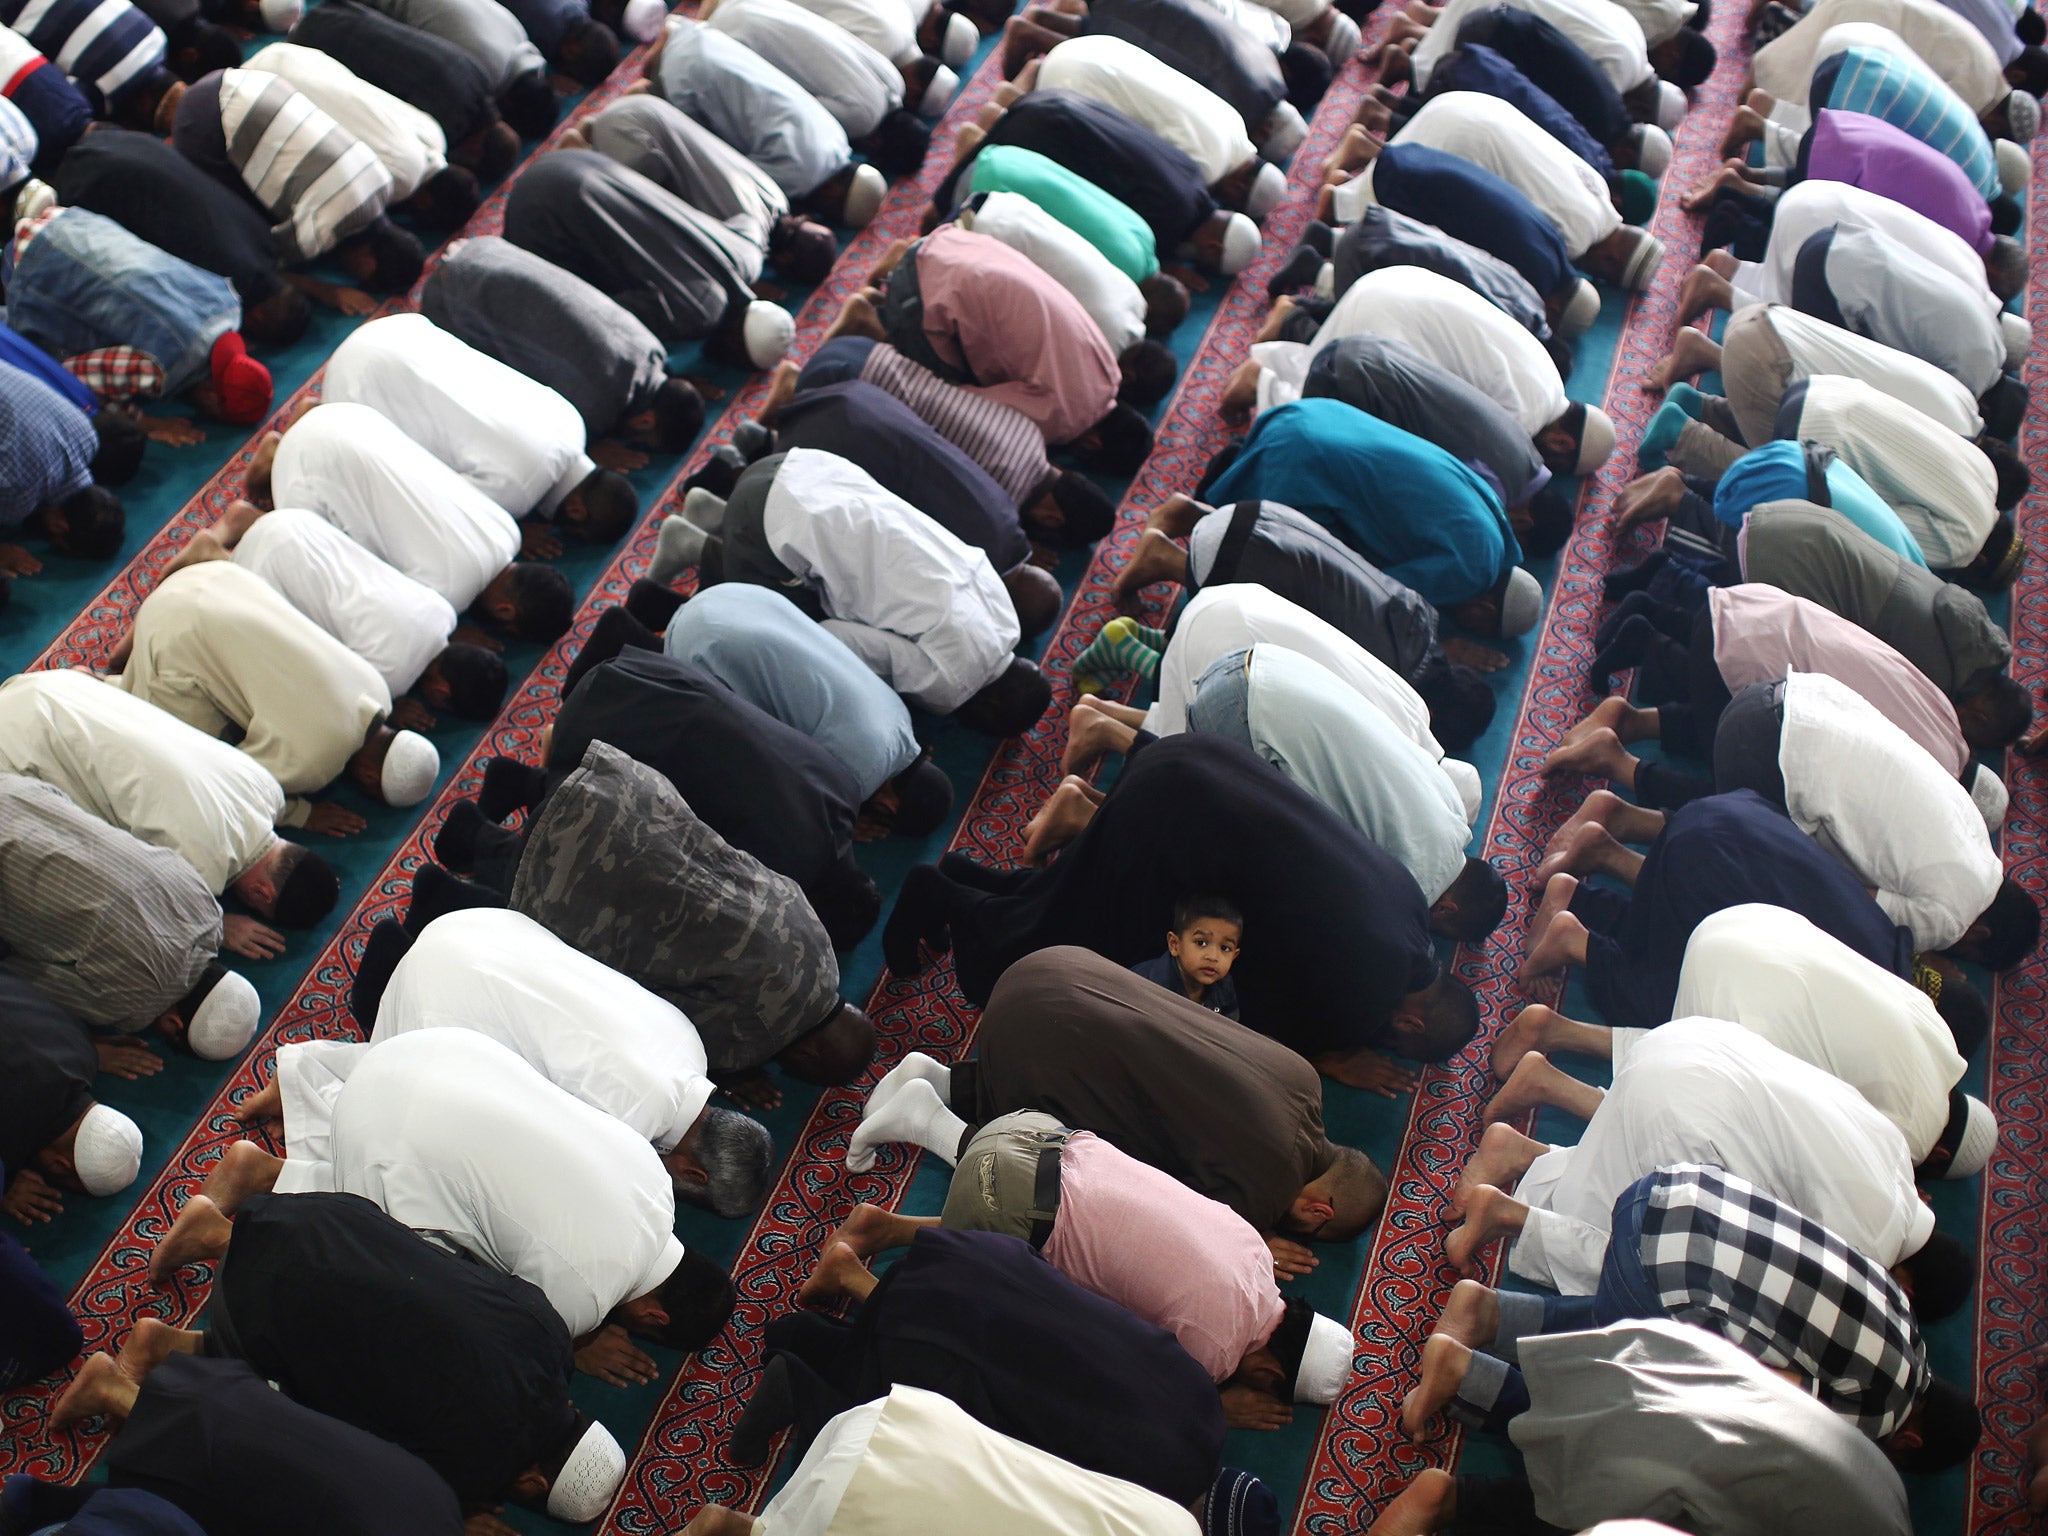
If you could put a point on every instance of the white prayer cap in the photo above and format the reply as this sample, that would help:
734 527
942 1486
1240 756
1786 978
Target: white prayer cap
1268 187
108 1151
1284 137
589 1477
939 92
960 41
1325 1361
1342 41
865 196
641 20
1980 1135
1988 794
2014 166
767 330
1671 105
1643 262
281 15
410 768
1596 441
1653 149
2023 115
1631 1528
2019 338
1521 603
1240 245
33 198
1580 311
222 1024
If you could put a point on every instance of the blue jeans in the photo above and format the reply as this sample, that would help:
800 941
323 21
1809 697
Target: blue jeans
1221 705
1624 1290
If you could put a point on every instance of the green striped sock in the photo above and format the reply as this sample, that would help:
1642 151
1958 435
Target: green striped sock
1124 645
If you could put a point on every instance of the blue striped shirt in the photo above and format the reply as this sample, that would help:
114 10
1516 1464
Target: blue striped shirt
107 44
1915 100
46 446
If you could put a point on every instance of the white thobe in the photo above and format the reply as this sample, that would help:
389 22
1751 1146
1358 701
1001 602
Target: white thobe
364 475
925 612
1816 347
1703 1091
395 624
1256 20
1875 799
1112 300
1943 487
1944 41
408 142
856 84
1809 994
1239 615
884 25
1495 135
584 1027
1447 323
916 1461
513 438
452 1134
1812 206
1608 34
217 645
1184 112
141 770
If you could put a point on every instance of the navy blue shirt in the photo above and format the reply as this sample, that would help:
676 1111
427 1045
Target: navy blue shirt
38 1335
1556 65
1165 970
1476 67
1469 201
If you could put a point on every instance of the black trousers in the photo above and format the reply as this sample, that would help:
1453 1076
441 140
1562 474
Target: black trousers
1498 1506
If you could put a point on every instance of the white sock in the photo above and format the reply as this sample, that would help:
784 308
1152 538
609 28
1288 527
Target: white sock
678 546
704 509
915 1114
910 1069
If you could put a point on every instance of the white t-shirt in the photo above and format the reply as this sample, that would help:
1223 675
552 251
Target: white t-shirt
452 1134
1706 1091
1608 34
884 25
511 437
1494 135
1112 300
355 468
1815 347
1808 993
1812 206
1149 91
383 615
1236 616
584 1027
925 612
410 144
858 85
142 770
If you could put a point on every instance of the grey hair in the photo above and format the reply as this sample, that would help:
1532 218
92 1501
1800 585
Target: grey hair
738 1154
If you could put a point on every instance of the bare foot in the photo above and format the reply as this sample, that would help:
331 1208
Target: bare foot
1156 559
1744 129
200 1233
151 1342
1726 175
1527 1088
1241 393
1425 1506
1596 809
1472 1315
1588 851
245 1169
1470 653
1444 1363
836 1277
1627 722
1693 352
1276 317
1504 1155
1376 112
99 1389
1058 822
1721 264
1355 151
1489 1214
1563 946
1527 1031
867 1230
1091 734
1176 516
781 390
1648 498
1702 290
858 318
1598 752
1543 957
263 1106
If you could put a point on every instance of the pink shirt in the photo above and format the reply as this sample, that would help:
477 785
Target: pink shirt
1146 1241
991 310
1761 633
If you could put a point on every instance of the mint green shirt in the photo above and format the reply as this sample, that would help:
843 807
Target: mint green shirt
1104 222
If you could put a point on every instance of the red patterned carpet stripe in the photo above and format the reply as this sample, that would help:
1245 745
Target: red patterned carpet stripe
116 1291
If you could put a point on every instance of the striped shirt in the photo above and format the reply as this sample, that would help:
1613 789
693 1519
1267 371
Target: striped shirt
106 44
1915 100
18 143
1001 439
46 446
321 182
115 930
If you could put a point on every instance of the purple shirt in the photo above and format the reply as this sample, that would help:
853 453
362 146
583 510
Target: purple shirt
1870 153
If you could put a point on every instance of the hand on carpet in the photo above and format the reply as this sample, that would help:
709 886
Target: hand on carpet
1291 1260
1249 1408
611 1355
250 939
129 1059
31 1198
330 819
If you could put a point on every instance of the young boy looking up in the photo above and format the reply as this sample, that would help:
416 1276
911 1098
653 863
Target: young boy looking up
1200 949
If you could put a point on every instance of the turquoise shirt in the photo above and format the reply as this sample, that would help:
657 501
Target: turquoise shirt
1104 222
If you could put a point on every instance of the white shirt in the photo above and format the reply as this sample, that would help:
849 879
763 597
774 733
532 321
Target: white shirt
1703 1091
452 1134
884 25
1943 487
383 615
410 144
856 84
511 437
1805 991
1815 347
1812 206
1333 743
1875 799
142 770
1255 20
1112 300
584 1027
1660 19
1495 135
1447 323
1239 615
393 497
916 1462
925 612
1949 45
1610 36
1184 112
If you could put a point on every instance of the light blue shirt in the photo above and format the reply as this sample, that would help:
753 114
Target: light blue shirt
753 106
761 646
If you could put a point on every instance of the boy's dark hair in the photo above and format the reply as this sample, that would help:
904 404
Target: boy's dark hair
899 144
2014 478
476 680
698 1298
590 51
279 320
450 196
1190 910
1551 517
1166 303
1147 370
396 258
1939 1274
529 105
118 456
543 602
678 415
1967 1014
307 887
1461 704
2014 928
1307 71
94 524
1122 440
1950 1427
498 149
